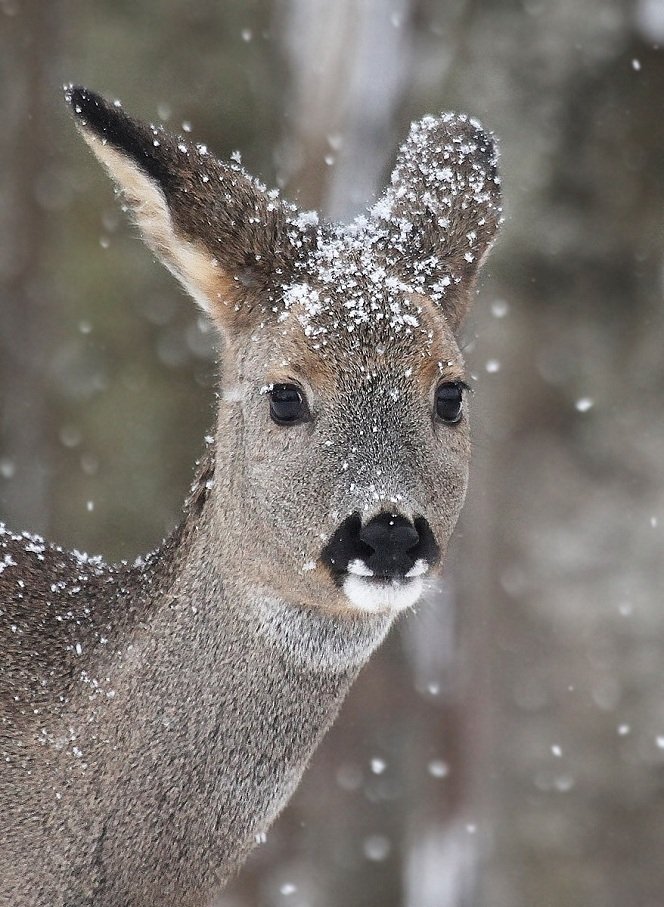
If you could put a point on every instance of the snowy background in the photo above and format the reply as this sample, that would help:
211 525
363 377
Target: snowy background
506 747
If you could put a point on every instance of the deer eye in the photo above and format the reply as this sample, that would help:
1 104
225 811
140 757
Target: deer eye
287 405
449 402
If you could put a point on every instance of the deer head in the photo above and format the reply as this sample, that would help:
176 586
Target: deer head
342 445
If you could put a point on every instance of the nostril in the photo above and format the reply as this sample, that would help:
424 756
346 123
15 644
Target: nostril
427 548
345 546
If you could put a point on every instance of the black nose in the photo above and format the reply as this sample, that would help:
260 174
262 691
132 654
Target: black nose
387 547
390 538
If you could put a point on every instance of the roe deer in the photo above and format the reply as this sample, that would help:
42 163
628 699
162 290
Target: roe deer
156 717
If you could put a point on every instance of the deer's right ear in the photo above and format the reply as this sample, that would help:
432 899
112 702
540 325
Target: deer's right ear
217 230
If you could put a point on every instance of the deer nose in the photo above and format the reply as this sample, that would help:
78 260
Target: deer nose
389 546
390 538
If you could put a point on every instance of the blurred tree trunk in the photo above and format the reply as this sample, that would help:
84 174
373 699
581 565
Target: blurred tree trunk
349 63
28 50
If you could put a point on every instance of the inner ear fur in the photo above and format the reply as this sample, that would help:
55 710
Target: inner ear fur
224 237
439 216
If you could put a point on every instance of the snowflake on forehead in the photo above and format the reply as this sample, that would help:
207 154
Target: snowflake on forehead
346 279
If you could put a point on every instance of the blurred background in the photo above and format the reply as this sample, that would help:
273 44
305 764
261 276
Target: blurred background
506 747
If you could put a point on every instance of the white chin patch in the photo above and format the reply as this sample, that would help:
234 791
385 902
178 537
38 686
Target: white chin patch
388 595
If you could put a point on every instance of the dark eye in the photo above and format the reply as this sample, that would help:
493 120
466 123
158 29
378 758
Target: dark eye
449 402
287 405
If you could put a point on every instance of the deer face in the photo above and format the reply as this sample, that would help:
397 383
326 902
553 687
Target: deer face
356 442
343 424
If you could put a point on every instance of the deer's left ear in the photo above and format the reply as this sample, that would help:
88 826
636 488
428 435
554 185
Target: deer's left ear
438 218
217 230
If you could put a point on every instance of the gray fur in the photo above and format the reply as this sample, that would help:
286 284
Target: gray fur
155 718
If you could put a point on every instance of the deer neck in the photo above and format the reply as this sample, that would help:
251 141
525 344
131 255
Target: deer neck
228 690
202 572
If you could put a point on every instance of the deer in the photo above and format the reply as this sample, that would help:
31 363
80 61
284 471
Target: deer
156 716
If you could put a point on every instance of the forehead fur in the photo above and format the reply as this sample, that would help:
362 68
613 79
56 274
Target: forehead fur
344 308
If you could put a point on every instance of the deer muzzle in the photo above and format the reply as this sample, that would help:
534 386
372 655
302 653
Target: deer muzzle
380 565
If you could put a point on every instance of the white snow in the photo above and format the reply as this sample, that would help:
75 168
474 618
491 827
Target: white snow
499 308
584 404
376 848
438 769
7 561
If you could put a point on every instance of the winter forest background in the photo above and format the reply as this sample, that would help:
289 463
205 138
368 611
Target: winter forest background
506 747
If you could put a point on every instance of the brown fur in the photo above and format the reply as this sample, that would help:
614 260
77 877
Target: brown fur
155 718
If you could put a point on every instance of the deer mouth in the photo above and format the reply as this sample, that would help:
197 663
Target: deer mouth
381 565
374 594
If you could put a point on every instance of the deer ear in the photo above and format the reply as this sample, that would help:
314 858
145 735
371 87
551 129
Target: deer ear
218 231
439 216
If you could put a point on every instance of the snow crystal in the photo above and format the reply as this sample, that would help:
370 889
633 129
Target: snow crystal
378 766
306 219
438 769
584 404
7 561
376 848
499 308
563 783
